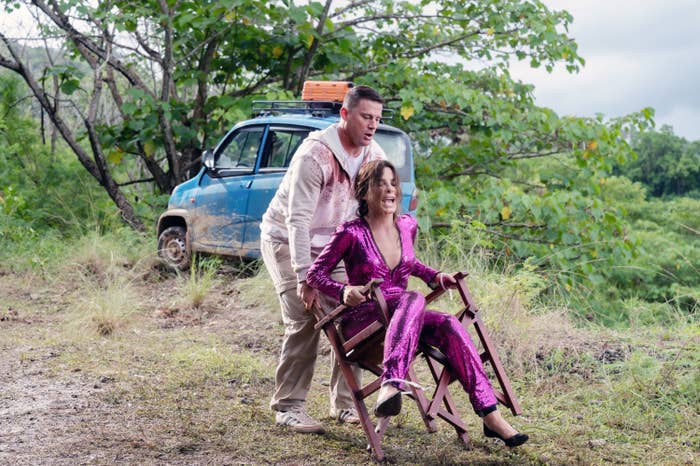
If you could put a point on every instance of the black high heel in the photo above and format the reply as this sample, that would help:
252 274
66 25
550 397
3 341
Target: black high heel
514 441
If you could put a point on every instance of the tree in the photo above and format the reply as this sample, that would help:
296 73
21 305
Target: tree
667 164
164 77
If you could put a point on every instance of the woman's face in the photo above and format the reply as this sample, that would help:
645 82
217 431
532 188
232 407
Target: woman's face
381 199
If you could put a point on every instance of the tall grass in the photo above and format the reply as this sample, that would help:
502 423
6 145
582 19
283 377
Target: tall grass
200 281
102 272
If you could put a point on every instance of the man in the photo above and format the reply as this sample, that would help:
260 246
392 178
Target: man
315 196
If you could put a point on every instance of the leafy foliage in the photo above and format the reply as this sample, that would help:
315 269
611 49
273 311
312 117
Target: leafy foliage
40 189
155 82
666 269
515 177
667 164
141 88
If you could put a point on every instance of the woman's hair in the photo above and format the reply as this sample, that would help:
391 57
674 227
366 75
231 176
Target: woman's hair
368 177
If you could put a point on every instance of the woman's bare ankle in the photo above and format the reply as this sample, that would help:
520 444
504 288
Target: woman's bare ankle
495 421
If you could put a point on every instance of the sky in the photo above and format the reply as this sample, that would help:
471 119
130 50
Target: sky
639 53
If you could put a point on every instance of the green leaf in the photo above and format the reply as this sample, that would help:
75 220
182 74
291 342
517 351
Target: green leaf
70 86
129 108
115 156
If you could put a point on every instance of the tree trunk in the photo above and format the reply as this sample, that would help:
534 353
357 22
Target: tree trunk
97 167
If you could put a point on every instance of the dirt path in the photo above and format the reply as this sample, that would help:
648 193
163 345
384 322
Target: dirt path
43 419
55 414
185 386
40 417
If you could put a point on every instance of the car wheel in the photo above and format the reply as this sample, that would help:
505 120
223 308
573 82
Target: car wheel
172 248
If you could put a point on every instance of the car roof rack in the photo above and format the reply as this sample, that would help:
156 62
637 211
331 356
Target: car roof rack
316 108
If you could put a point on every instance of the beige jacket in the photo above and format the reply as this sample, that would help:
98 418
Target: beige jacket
315 196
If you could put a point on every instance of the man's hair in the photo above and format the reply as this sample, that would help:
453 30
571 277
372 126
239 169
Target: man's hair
357 93
368 177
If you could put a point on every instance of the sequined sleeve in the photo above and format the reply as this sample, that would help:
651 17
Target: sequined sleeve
319 275
420 270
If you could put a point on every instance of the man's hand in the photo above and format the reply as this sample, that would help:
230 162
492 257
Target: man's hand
308 296
352 295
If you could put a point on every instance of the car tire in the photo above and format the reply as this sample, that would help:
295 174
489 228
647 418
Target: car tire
172 248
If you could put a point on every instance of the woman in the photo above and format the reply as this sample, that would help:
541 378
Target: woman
379 244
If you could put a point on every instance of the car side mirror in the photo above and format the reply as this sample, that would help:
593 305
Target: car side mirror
208 159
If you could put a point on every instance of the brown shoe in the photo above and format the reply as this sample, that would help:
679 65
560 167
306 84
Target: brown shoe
388 401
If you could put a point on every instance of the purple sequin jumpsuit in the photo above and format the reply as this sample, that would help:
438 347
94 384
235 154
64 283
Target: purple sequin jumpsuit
410 322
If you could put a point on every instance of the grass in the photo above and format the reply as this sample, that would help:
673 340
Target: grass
185 381
202 278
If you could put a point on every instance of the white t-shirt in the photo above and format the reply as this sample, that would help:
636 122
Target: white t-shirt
354 163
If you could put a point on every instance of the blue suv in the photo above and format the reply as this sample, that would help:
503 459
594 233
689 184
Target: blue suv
219 210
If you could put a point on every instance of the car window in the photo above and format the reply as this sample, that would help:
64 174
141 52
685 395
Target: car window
241 150
396 147
281 144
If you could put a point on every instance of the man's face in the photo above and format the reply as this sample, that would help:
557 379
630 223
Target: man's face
361 122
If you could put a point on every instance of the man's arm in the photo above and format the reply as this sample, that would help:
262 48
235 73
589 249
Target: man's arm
305 188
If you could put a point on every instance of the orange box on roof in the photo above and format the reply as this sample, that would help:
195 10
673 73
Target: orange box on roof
328 91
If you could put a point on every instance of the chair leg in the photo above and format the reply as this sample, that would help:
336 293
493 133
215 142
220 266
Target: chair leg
375 440
450 415
375 445
441 396
422 402
471 311
511 400
373 436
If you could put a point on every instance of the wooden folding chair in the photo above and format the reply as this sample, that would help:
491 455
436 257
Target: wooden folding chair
365 349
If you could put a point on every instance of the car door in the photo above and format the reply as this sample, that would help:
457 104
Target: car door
222 203
281 142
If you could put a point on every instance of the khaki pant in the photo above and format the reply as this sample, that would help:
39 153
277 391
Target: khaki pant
300 344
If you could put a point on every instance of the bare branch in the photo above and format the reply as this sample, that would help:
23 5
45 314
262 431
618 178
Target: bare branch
308 57
86 45
142 180
106 179
7 63
532 155
498 234
144 45
351 6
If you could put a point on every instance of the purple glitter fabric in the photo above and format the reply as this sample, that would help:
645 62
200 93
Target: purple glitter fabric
410 322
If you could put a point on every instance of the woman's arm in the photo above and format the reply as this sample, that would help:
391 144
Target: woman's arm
319 275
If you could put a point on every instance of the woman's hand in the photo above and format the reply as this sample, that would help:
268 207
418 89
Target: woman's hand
352 295
444 281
